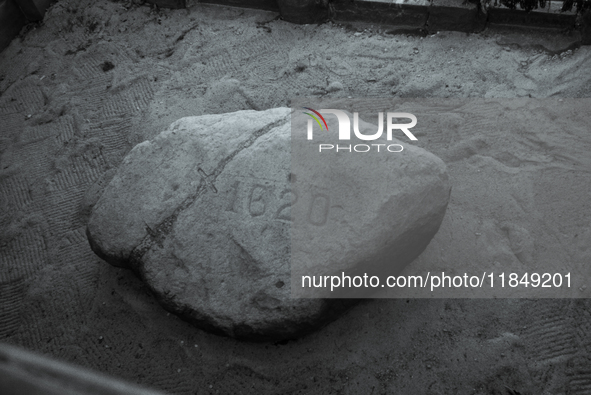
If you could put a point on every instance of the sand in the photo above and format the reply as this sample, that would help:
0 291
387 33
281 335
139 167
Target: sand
95 78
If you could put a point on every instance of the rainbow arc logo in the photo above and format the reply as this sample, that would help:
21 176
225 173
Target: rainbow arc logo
316 119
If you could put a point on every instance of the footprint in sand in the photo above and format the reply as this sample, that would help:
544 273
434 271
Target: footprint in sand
521 242
464 150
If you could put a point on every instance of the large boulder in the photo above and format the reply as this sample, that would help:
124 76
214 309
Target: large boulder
201 214
365 209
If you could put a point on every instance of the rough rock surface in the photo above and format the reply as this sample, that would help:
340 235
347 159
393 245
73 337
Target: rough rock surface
365 210
198 213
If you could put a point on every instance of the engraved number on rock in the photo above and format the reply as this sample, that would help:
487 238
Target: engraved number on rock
257 201
318 213
232 199
284 212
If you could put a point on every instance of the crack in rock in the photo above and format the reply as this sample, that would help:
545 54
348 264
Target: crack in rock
157 234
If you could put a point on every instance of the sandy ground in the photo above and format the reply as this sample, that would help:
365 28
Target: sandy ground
79 90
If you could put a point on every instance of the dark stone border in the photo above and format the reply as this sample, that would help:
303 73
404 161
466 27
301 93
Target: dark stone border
422 15
410 16
435 15
34 10
456 15
585 22
12 21
268 5
535 18
168 3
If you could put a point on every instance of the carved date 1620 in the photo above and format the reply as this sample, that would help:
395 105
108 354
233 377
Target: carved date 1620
258 199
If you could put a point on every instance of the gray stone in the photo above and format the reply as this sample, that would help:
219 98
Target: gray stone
411 15
12 21
169 3
335 86
455 15
550 17
197 214
367 212
585 27
303 11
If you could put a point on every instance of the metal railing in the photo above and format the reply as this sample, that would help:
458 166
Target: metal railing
25 373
